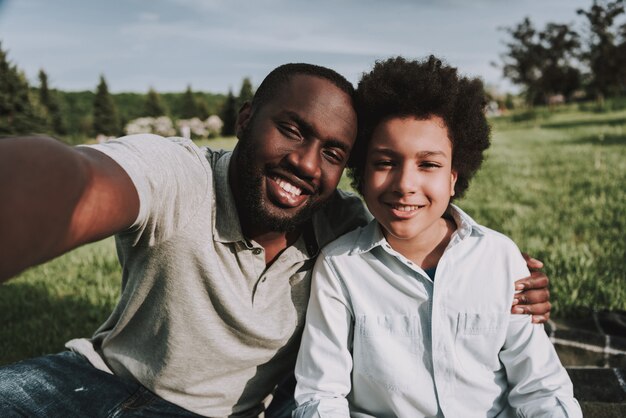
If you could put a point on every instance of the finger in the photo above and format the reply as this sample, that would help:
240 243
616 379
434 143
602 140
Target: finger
539 309
532 297
536 280
540 319
531 262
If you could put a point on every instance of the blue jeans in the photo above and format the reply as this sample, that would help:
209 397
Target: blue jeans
67 385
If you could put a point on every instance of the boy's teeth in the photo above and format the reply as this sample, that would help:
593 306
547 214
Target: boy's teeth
288 187
405 208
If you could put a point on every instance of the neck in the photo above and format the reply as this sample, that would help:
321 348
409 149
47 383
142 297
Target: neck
427 249
274 242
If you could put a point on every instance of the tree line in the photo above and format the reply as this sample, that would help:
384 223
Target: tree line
560 61
76 116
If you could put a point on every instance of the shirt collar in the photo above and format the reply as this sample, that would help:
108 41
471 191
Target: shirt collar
465 225
371 236
226 227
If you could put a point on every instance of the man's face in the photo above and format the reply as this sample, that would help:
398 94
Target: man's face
292 152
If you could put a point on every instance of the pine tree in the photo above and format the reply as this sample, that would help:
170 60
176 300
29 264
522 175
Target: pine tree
202 108
246 93
50 102
153 105
18 110
189 107
229 115
105 118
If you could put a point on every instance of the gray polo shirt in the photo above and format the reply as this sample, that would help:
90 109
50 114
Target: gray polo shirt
201 321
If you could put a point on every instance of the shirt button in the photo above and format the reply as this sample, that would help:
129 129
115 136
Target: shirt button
256 251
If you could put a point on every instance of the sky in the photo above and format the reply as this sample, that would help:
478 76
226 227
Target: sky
212 45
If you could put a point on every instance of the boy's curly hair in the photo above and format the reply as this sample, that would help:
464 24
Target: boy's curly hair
397 87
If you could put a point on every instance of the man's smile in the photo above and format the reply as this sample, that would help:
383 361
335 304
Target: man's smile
285 193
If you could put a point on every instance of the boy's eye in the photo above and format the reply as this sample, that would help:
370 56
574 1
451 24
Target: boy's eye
429 165
383 163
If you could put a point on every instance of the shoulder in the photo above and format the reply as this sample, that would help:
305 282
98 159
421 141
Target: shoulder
500 254
342 246
498 241
152 150
343 212
481 236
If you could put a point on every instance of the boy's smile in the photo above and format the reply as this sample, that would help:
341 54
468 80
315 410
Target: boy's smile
409 180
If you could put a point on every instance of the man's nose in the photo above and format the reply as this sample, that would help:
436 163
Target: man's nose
305 159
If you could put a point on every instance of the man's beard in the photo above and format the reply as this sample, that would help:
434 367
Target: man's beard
254 209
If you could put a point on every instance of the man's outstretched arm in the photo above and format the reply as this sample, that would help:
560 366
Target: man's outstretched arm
55 198
534 298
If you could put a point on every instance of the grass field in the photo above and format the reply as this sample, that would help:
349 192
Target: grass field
556 185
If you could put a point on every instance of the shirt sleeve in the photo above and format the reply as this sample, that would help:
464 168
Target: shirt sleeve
539 384
171 176
324 362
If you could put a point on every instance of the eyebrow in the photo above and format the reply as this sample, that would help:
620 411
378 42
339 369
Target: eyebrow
310 130
422 154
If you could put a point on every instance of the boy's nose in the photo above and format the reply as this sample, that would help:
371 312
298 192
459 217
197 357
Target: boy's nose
407 181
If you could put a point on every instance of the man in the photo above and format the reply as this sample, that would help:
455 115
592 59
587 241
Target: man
216 250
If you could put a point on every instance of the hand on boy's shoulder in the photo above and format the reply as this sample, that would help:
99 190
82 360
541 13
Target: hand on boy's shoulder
534 296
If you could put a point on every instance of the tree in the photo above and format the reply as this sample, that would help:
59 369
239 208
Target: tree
602 54
621 57
105 118
522 61
229 114
246 93
50 102
202 108
189 107
153 106
19 113
543 62
559 47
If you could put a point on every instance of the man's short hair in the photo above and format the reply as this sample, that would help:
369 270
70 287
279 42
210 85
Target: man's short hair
283 73
397 87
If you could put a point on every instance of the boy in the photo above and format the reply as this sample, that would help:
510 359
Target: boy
408 315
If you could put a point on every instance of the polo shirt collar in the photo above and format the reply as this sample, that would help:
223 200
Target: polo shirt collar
227 227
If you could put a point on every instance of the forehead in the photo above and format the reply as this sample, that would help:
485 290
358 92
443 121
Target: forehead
315 99
410 133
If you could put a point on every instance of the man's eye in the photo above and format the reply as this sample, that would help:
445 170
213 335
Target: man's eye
334 156
290 131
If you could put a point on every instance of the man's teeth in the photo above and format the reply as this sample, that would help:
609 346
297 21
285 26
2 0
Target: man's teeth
406 208
288 187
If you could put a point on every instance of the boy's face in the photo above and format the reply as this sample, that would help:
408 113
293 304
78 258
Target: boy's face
408 179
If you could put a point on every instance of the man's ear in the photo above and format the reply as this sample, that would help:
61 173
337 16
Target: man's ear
243 118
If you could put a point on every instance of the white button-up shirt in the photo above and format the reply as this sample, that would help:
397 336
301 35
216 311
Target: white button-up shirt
384 340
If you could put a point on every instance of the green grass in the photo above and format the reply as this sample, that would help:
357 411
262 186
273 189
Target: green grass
554 183
558 189
65 298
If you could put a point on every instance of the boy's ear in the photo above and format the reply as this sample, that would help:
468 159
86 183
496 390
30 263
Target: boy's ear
453 177
243 118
